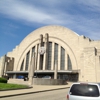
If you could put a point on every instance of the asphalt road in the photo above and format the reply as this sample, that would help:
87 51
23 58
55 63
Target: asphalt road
49 95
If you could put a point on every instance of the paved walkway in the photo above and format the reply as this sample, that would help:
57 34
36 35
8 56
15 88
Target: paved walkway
35 89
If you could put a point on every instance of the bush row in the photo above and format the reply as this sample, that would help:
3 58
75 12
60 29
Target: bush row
3 80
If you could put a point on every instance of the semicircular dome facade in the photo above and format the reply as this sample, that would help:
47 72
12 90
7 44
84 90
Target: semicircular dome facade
56 51
55 36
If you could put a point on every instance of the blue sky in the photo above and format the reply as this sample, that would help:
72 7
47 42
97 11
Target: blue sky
20 17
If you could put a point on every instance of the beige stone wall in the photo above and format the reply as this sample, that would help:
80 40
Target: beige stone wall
84 53
62 35
88 69
9 63
97 59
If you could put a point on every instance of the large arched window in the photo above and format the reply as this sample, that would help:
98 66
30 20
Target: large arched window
62 59
39 59
55 54
49 55
69 63
27 61
33 50
22 66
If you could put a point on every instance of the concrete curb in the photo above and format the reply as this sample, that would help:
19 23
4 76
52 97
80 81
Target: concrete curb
32 92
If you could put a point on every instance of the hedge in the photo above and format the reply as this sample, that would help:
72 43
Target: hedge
3 80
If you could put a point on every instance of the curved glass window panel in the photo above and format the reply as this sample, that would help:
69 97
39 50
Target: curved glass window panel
27 60
33 50
49 55
69 63
62 60
22 66
37 55
55 54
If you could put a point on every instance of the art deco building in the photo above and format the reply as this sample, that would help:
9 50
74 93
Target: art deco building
77 58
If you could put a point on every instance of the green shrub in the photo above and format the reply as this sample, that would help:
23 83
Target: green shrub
3 80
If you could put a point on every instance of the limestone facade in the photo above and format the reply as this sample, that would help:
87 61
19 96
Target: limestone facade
74 54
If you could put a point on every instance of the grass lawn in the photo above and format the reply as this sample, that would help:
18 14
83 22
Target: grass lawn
7 86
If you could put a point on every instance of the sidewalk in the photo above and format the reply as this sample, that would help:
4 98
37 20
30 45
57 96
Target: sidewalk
35 89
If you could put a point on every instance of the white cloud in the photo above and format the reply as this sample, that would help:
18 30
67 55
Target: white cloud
19 10
91 4
55 12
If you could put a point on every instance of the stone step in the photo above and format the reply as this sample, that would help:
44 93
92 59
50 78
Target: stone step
18 81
